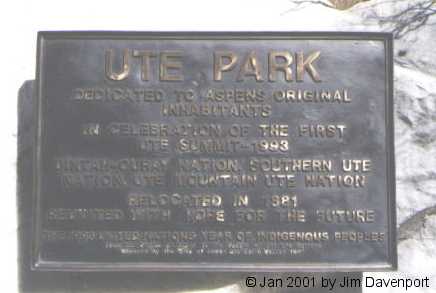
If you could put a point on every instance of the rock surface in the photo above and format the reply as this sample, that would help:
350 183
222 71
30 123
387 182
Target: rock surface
413 23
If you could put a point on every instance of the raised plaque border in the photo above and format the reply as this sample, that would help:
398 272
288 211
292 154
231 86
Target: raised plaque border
391 264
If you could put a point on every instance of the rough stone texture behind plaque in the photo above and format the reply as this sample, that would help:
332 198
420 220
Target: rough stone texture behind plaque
415 82
414 25
345 4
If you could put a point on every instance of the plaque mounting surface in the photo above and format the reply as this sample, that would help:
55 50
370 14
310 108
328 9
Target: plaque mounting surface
214 151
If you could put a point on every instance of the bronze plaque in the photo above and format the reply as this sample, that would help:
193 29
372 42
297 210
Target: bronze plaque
214 151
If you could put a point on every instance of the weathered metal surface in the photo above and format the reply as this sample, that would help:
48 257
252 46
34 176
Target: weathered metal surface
214 151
